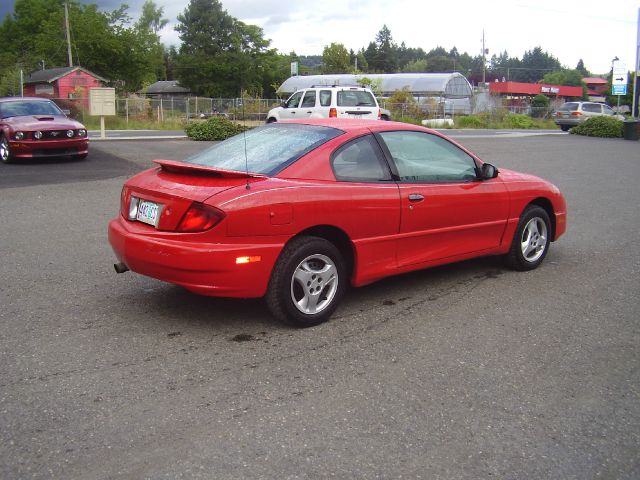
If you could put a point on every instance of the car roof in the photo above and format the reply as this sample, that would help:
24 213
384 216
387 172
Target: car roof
19 99
350 125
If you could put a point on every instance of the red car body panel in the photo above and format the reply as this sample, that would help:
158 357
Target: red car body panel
387 233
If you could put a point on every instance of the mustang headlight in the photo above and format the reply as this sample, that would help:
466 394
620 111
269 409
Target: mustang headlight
82 132
70 133
18 135
37 135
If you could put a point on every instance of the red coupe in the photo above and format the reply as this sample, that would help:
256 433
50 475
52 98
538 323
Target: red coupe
296 211
36 127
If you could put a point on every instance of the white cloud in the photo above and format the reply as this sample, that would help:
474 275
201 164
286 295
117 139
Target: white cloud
569 30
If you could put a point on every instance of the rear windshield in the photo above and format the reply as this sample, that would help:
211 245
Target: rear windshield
569 107
267 149
355 98
28 107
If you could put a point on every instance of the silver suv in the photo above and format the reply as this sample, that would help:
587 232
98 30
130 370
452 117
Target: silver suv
571 114
328 102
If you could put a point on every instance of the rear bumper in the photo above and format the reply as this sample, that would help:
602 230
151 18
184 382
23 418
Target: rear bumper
204 268
49 148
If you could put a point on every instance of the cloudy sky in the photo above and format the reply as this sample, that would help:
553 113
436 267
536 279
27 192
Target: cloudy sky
572 29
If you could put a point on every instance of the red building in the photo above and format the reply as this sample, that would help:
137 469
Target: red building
65 82
516 89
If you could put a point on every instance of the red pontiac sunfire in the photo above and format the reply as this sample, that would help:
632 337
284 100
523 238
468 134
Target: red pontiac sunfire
296 211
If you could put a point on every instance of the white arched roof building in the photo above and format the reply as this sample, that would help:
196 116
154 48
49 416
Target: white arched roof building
452 91
448 85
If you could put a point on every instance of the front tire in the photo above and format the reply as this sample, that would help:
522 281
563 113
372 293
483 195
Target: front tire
531 240
307 282
5 150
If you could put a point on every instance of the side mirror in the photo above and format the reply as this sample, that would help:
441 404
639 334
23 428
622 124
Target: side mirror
488 171
66 111
283 104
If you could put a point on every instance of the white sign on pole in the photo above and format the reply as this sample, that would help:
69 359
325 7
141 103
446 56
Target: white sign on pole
619 81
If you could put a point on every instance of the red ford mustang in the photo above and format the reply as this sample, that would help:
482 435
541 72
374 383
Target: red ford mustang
296 211
36 127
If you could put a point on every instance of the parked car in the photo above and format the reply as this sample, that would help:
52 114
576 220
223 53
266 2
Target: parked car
571 114
36 127
296 211
328 102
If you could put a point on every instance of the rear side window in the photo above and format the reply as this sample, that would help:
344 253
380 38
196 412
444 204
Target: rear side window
356 98
569 107
325 98
591 107
360 161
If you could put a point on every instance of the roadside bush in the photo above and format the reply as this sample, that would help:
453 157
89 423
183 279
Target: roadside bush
214 128
516 120
605 127
472 121
539 105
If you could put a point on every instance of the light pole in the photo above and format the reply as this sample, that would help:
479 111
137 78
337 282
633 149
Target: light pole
613 61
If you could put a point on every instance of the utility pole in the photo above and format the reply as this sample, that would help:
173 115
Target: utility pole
636 74
484 58
66 25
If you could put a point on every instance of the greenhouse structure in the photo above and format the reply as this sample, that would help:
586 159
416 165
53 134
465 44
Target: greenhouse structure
451 92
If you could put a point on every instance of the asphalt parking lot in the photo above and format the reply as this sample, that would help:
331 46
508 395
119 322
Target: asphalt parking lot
465 371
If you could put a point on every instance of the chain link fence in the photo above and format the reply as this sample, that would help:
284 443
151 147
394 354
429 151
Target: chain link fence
176 109
253 111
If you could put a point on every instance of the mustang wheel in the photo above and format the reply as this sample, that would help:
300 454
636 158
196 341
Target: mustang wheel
307 282
531 240
5 151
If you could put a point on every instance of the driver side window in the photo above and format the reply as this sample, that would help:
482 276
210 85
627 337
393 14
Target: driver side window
426 158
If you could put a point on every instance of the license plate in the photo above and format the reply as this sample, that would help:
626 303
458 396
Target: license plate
148 212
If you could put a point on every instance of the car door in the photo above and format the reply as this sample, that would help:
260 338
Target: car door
291 107
308 104
371 209
446 211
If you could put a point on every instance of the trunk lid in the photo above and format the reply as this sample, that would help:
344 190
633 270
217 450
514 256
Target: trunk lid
175 186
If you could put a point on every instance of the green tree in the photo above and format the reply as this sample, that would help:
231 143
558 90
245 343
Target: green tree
219 55
103 42
336 59
582 69
151 17
535 64
564 77
382 55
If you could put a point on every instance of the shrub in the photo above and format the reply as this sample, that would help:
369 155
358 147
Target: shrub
602 126
214 128
515 120
472 121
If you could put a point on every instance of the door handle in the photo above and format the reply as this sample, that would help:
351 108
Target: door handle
416 197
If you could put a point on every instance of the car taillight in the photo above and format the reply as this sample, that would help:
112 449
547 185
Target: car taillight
333 112
576 114
124 202
379 114
199 218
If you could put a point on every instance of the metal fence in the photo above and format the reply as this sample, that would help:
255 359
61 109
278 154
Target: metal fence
253 111
177 108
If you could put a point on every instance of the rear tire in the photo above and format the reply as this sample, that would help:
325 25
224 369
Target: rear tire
531 241
271 120
307 282
565 128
